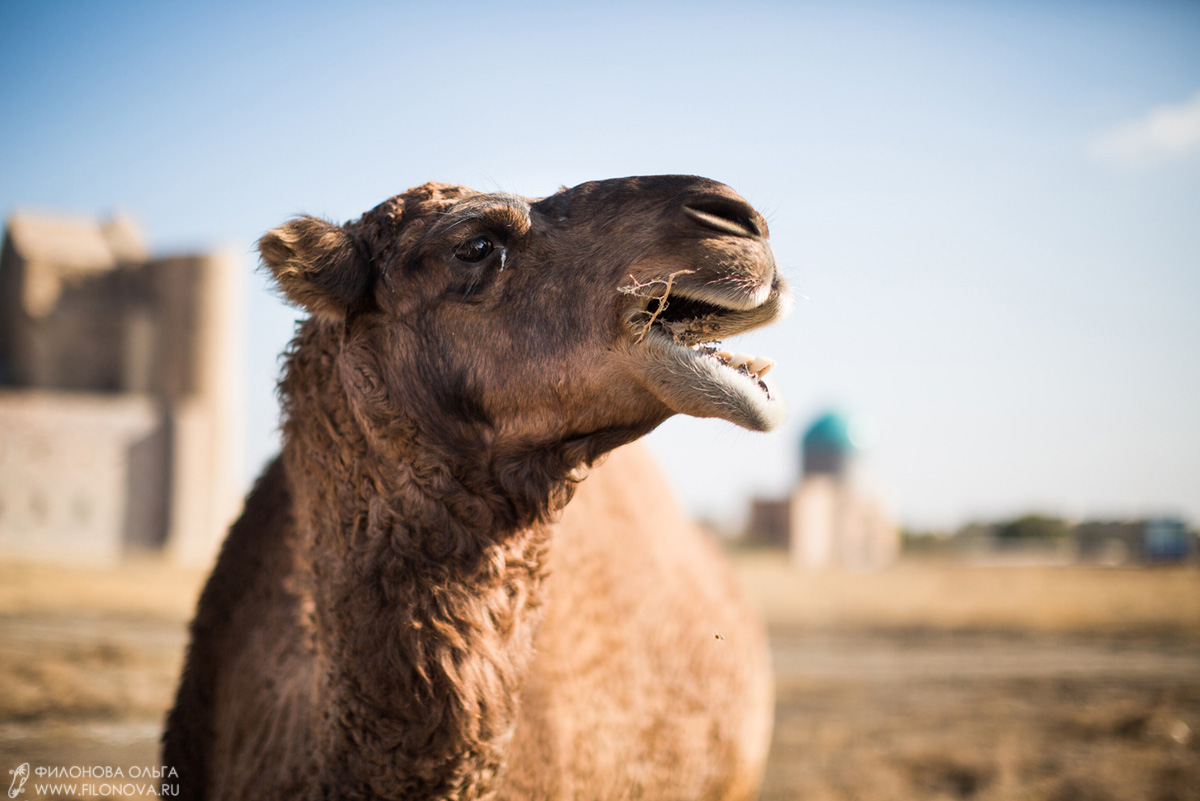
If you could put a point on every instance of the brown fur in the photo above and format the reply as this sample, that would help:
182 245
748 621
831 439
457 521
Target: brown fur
371 629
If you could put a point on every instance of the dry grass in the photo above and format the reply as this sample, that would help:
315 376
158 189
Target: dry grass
149 588
913 595
941 596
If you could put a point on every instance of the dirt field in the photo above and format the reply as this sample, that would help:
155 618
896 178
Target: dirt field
922 682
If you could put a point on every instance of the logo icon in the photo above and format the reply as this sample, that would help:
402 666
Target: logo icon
20 776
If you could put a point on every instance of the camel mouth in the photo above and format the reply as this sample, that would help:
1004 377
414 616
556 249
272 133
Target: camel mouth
677 330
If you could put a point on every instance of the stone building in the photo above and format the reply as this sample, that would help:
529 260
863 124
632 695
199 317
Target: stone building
119 413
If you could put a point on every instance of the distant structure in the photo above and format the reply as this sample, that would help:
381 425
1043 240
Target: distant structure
119 420
829 521
1160 540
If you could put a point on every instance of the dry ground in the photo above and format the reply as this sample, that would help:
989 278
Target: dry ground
933 681
926 681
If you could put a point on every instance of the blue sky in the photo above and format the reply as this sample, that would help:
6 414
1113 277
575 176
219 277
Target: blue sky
990 212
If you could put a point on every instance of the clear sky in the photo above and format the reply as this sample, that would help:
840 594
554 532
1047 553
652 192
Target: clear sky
990 212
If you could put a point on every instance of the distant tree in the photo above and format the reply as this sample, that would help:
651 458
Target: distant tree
1037 528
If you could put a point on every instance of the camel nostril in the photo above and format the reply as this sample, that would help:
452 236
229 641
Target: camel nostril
726 215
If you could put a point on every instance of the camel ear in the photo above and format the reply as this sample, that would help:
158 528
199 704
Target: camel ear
318 265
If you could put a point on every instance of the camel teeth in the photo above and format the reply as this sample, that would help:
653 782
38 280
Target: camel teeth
757 366
740 359
761 365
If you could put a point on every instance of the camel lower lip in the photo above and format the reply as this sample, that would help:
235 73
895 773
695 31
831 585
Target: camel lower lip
694 381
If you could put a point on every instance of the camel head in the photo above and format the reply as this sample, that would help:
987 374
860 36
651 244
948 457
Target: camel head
590 315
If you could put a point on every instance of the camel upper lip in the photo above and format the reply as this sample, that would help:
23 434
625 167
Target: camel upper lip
678 327
693 312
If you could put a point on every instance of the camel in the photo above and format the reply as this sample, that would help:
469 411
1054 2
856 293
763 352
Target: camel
408 607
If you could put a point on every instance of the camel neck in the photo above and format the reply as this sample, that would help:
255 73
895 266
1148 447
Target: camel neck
425 598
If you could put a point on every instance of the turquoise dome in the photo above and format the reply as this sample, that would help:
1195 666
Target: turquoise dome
826 445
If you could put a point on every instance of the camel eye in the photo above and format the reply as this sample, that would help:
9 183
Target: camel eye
474 250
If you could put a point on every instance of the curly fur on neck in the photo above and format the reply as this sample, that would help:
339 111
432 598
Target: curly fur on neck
424 573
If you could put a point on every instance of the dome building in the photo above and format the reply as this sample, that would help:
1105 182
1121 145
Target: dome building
833 521
830 520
